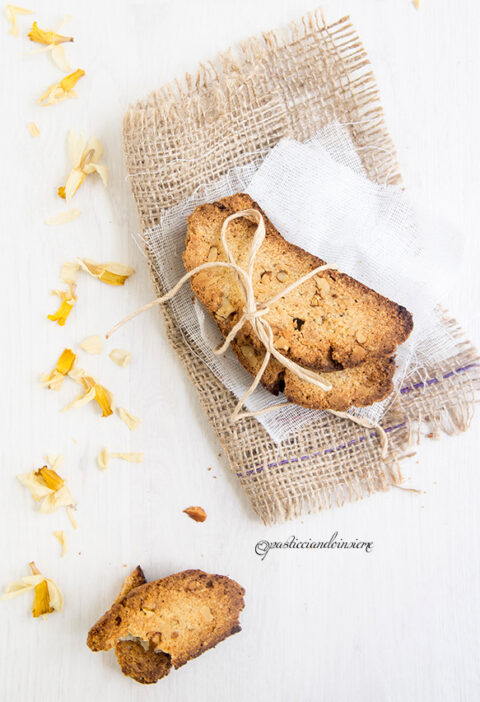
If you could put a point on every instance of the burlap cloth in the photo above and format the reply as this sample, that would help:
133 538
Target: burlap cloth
232 112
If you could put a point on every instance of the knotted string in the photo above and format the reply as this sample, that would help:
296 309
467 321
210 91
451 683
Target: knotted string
254 312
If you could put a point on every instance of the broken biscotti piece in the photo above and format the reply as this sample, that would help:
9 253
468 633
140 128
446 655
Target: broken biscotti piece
154 626
331 322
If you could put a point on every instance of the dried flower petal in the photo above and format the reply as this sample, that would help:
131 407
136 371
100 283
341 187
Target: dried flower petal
51 479
130 420
38 488
47 596
71 516
55 500
105 399
12 11
65 364
84 160
121 357
417 4
62 90
198 514
42 36
92 344
104 457
59 58
81 400
111 273
60 316
63 217
69 272
41 600
55 460
60 535
18 587
33 129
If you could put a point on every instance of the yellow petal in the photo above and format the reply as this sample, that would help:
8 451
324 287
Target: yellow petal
42 36
121 357
33 129
130 420
38 488
41 600
60 535
18 587
12 11
111 273
92 344
70 81
63 217
60 316
59 58
66 361
104 399
51 479
74 180
76 147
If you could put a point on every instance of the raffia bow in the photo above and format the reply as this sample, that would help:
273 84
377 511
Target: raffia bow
254 313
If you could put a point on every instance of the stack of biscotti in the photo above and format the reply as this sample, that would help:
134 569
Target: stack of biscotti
165 623
331 323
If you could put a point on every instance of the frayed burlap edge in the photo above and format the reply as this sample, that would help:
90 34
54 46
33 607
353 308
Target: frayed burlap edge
231 113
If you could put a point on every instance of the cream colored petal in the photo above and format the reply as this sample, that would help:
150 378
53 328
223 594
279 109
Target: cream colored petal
63 217
57 499
121 357
99 168
53 380
60 535
81 400
69 272
33 129
76 147
92 344
77 374
130 420
18 587
55 595
60 58
35 484
71 516
74 180
131 457
97 149
56 460
103 458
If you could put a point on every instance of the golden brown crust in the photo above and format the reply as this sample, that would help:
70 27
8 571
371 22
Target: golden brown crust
136 578
371 381
330 322
182 615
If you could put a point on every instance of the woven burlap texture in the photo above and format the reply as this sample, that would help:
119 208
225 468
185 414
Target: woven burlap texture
232 112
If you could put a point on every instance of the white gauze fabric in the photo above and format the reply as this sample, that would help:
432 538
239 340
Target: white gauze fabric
318 196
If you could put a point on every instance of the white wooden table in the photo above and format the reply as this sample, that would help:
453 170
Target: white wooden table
401 623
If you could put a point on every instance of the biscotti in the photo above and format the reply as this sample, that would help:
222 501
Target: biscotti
330 322
176 618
